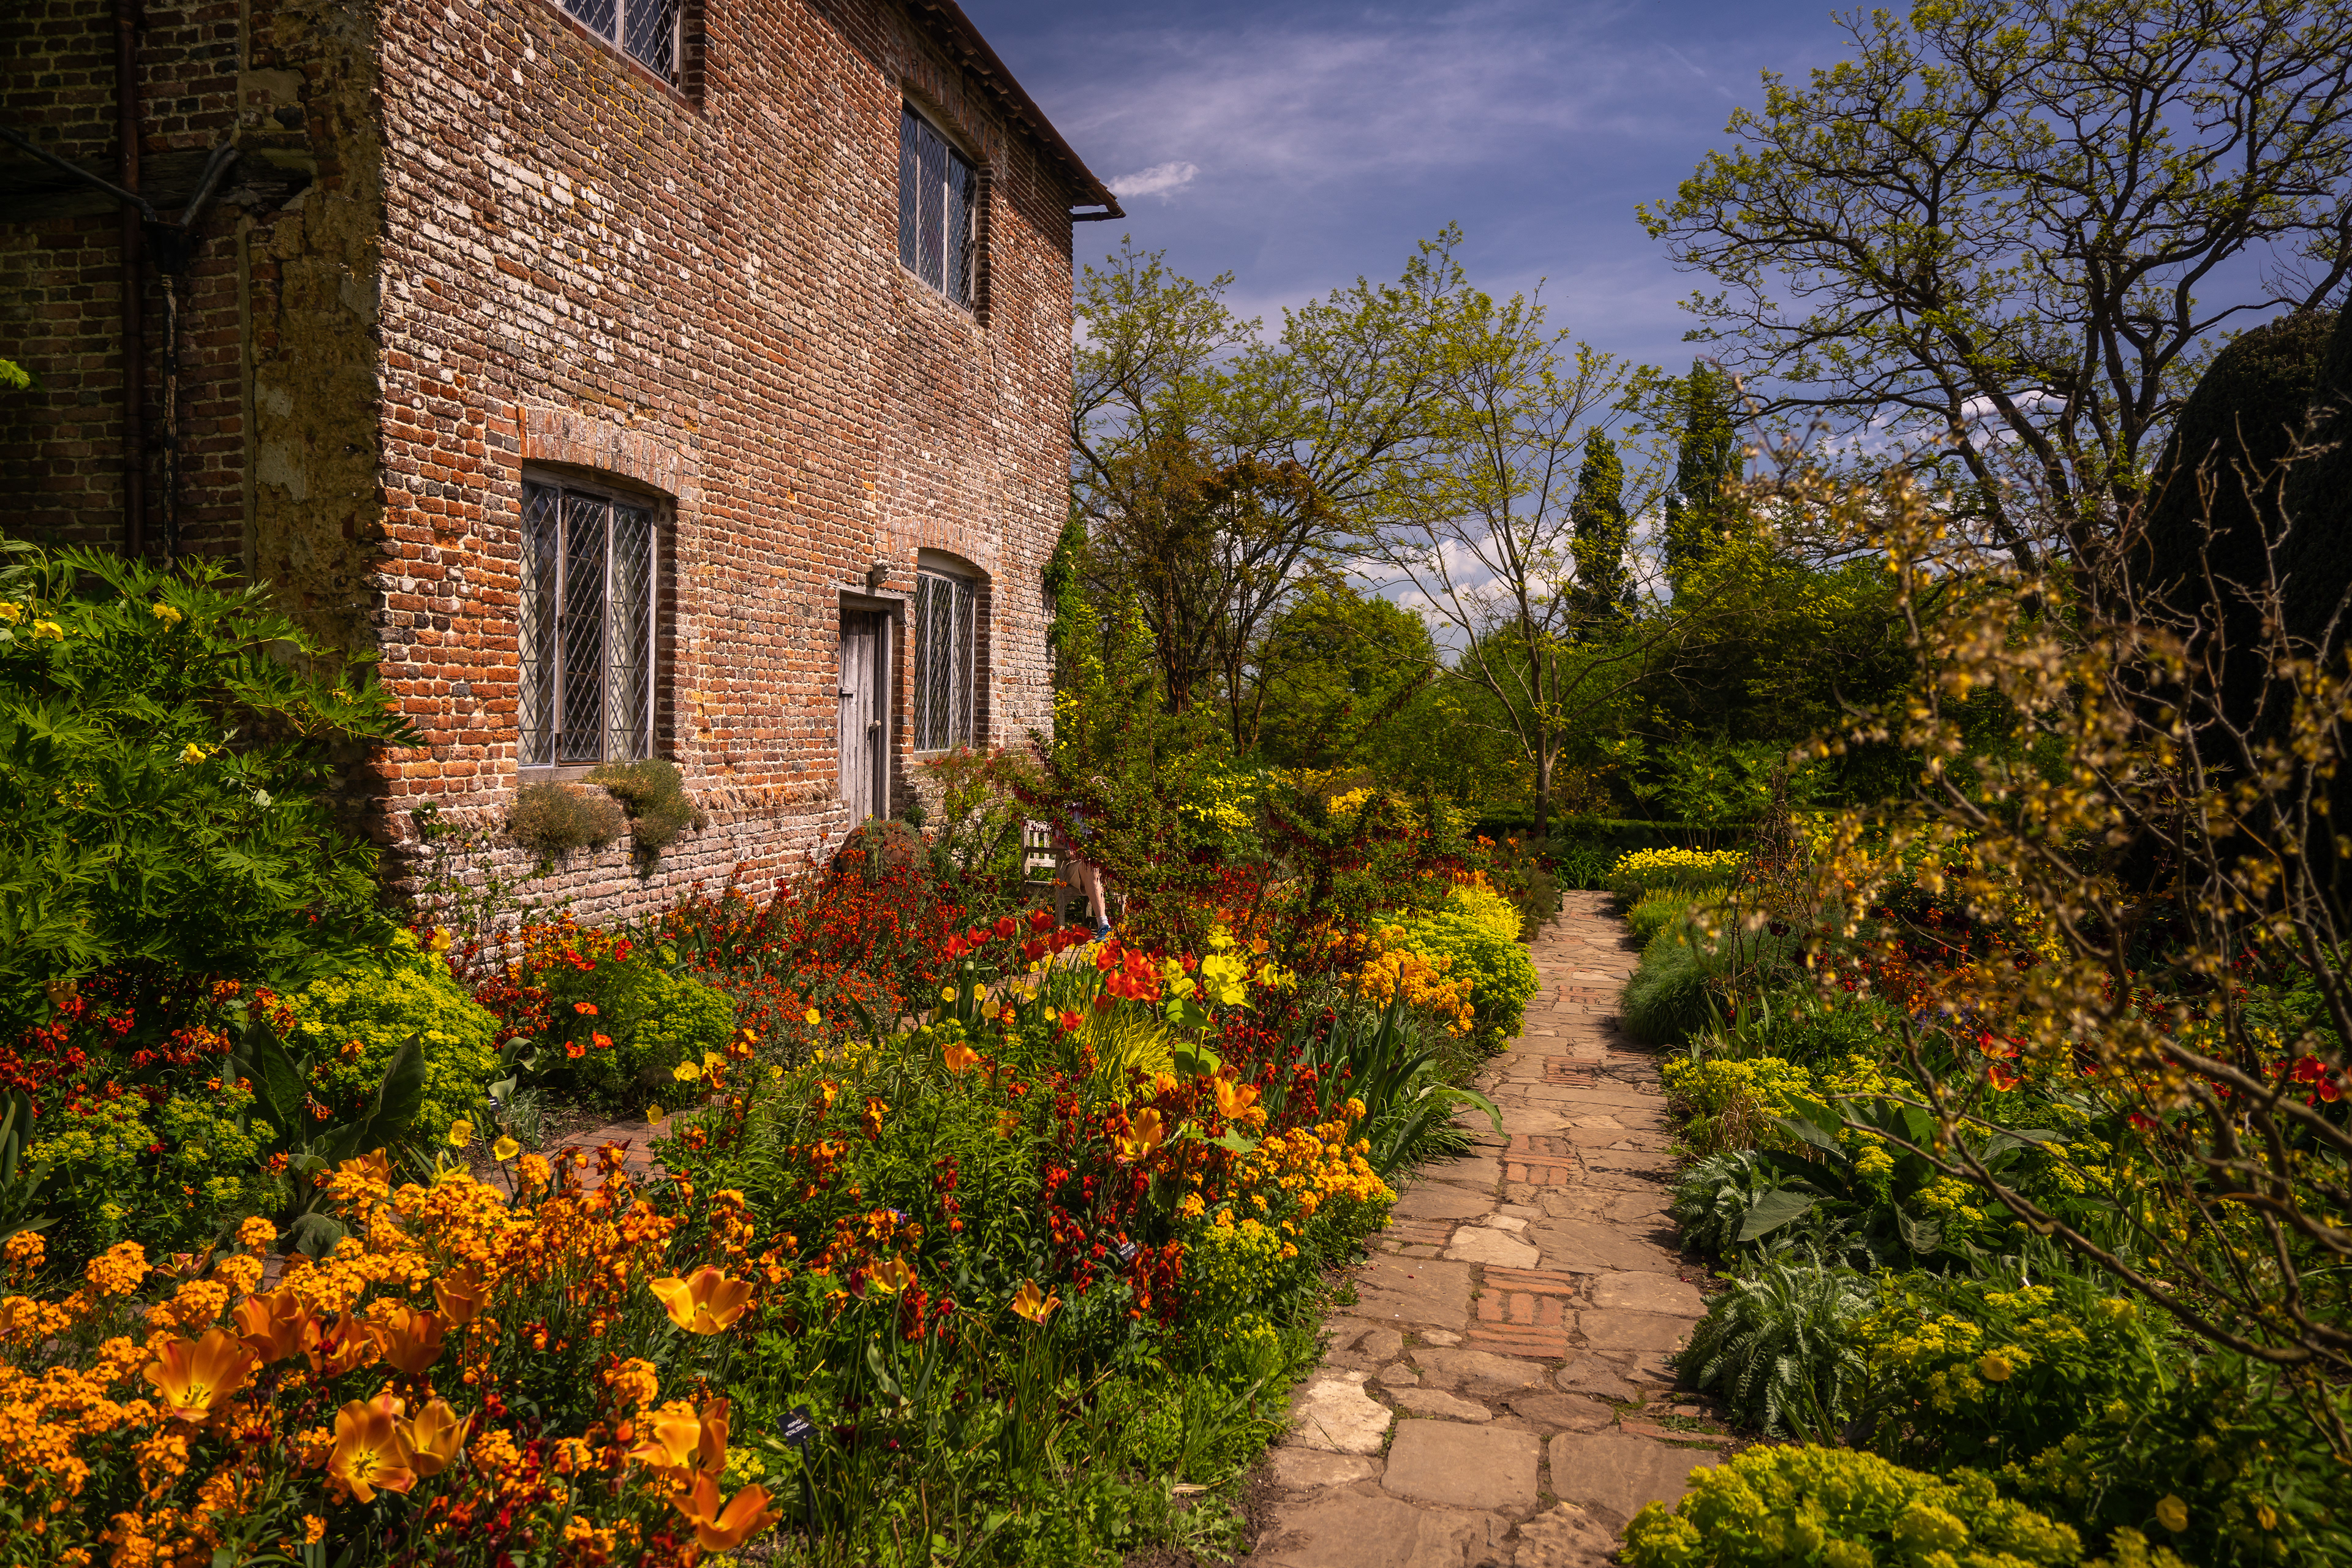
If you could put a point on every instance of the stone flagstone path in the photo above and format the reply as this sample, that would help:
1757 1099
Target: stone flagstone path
1497 1395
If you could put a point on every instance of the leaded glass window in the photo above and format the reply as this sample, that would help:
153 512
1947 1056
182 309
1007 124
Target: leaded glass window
646 28
947 649
937 188
586 637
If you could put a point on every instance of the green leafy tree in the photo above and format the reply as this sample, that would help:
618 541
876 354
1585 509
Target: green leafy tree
1699 504
1220 472
1603 596
1999 233
1336 678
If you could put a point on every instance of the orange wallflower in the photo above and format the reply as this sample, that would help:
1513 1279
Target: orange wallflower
196 1375
705 1302
370 1451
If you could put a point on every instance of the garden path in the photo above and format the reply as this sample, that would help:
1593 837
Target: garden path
1498 1393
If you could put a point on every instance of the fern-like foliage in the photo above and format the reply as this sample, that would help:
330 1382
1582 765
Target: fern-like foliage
1780 1345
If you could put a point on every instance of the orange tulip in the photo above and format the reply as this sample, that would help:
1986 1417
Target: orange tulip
1234 1099
272 1325
370 1451
336 1349
891 1277
724 1530
411 1341
459 1295
703 1303
196 1375
959 1057
1032 1306
676 1437
1143 1135
711 1453
436 1438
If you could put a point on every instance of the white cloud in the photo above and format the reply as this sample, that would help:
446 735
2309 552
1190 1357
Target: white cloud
1159 180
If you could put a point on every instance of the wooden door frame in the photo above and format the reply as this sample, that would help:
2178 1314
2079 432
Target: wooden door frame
890 611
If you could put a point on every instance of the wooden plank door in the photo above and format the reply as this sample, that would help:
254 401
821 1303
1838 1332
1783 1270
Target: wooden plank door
865 713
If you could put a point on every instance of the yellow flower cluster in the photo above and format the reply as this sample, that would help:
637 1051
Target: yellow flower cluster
1683 862
1393 969
1312 1169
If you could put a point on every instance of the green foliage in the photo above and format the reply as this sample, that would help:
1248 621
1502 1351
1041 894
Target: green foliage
170 1175
378 1005
1701 507
651 791
2216 514
1602 594
550 819
1669 1000
169 748
1657 908
1839 1509
1502 976
653 1020
1337 683
1780 1344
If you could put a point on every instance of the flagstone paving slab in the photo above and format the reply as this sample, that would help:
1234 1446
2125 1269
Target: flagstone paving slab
1445 1462
1532 1357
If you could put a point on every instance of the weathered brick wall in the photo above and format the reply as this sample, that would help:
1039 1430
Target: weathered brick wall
262 368
583 265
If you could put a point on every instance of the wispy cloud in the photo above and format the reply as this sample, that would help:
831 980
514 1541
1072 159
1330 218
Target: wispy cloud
1159 180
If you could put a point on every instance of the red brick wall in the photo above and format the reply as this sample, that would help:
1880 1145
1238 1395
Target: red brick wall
468 238
584 265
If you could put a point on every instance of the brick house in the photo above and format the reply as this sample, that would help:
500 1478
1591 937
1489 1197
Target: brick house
638 377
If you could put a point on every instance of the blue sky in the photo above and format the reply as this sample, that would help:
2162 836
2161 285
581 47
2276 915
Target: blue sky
1301 144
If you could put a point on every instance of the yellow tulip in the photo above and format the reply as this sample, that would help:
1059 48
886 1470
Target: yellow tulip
461 1134
2172 1513
505 1149
814 1016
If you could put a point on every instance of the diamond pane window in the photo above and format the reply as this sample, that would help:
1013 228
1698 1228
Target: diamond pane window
937 187
646 28
946 668
586 633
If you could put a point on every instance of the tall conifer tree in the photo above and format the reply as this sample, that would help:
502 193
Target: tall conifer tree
1602 594
1697 507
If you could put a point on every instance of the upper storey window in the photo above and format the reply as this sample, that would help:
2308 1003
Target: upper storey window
646 28
937 189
